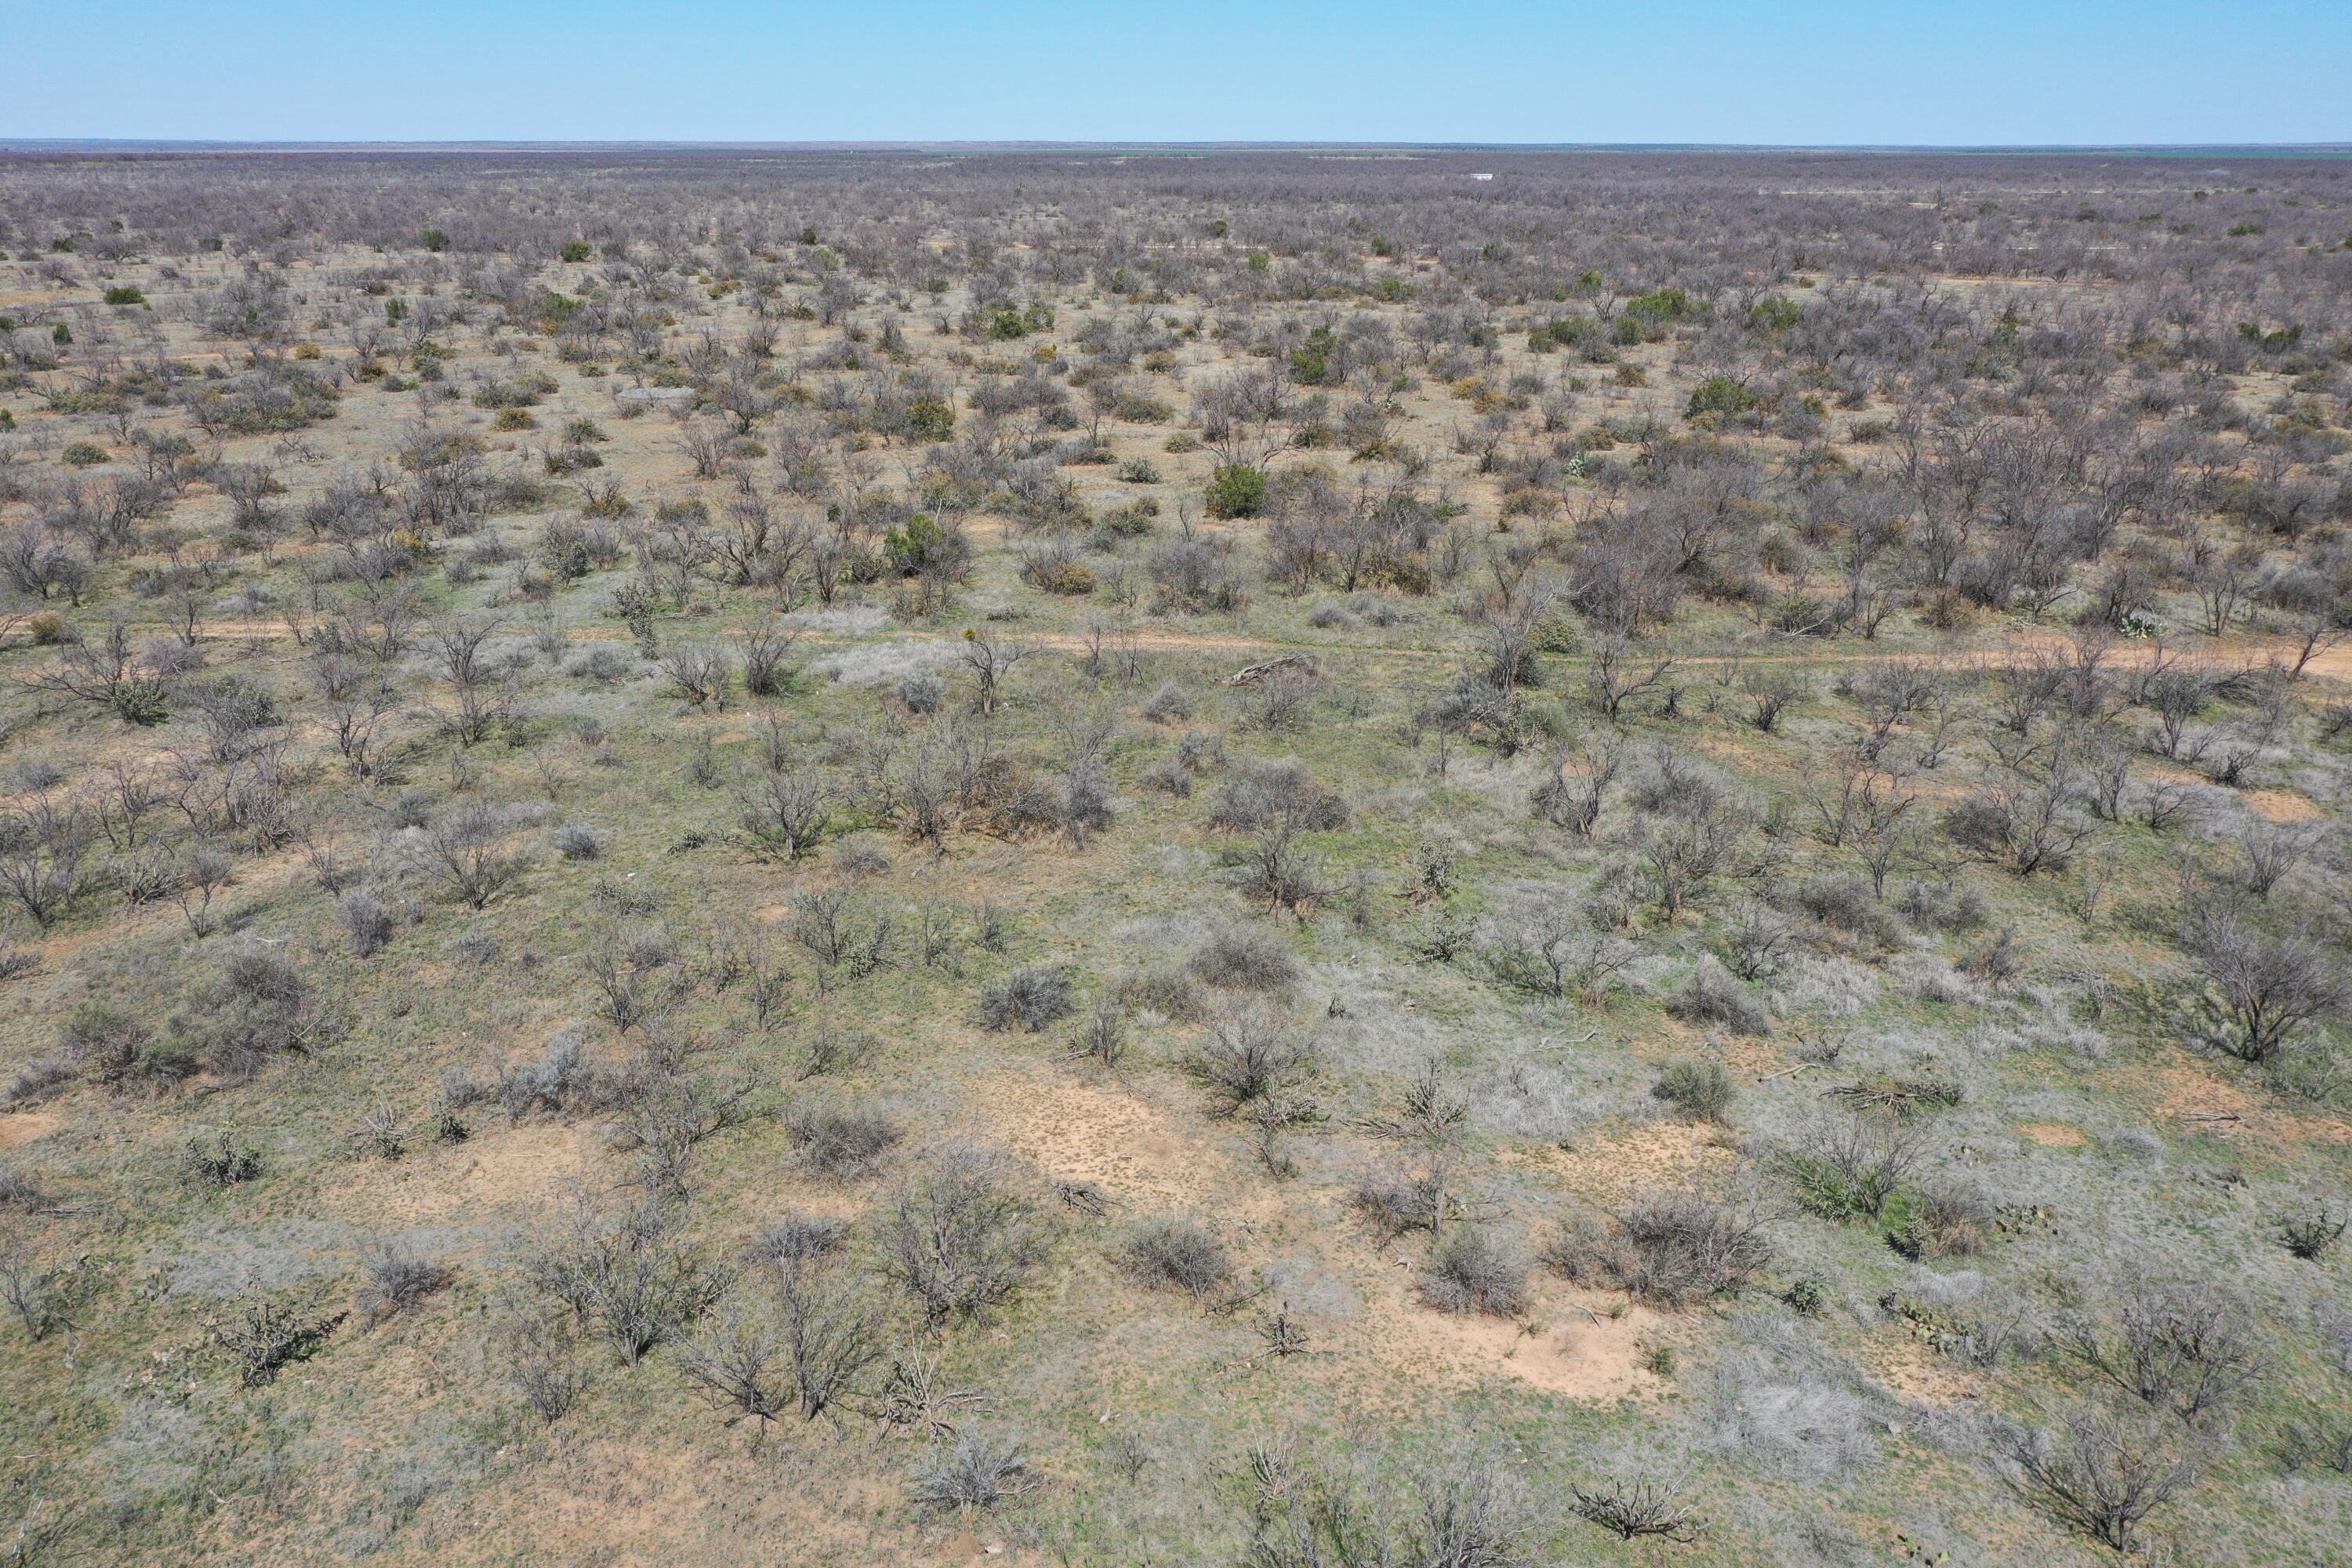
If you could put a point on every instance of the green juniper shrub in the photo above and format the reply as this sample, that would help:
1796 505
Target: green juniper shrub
1236 491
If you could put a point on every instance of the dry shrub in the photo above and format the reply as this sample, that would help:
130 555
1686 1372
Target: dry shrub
978 1470
1252 1053
1942 1222
1166 989
1698 1089
959 1239
1666 1249
1710 994
1261 795
1178 1253
839 1141
1474 1270
1243 959
1027 999
398 1278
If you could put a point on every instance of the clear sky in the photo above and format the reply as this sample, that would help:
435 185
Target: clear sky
1777 71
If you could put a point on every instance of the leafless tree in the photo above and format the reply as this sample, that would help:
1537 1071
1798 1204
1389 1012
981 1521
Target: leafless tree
992 662
1613 681
2267 985
2099 1473
468 851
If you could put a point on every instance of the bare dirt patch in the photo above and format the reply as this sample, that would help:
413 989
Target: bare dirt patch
2201 1103
634 1503
2188 1091
1567 1343
24 1127
1915 1371
1611 1167
2282 805
1078 1131
2052 1134
515 1169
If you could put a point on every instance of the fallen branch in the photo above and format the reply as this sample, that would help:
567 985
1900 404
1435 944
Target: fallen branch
1249 675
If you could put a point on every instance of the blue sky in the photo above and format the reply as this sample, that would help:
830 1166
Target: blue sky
1829 71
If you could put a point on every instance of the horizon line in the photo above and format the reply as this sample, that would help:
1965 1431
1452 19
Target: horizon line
1017 145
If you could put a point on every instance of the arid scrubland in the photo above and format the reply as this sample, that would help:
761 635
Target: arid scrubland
1219 858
